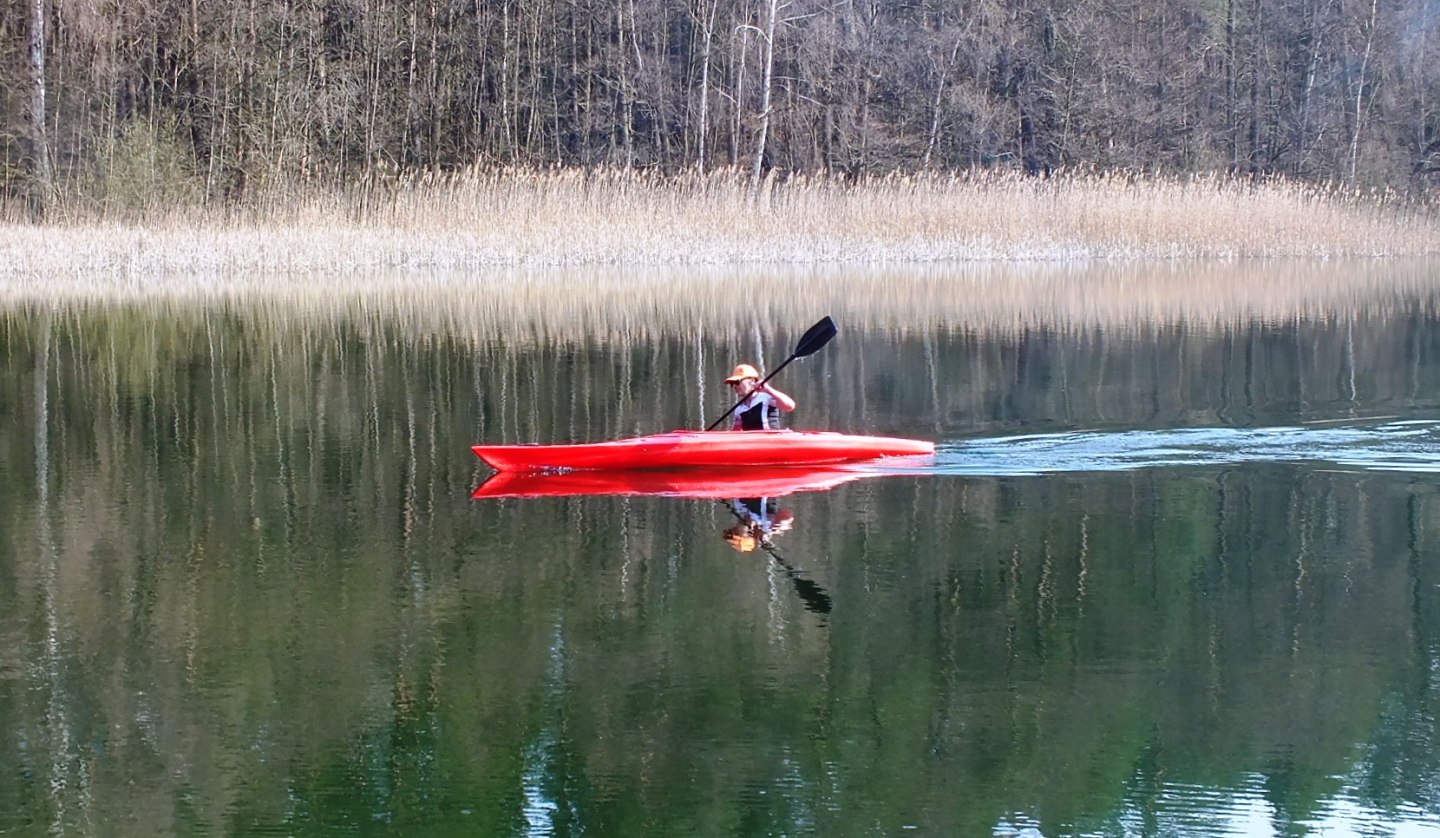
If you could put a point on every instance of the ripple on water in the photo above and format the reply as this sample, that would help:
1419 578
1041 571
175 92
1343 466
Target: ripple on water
1247 810
1405 446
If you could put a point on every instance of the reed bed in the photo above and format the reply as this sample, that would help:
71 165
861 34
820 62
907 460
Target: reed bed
524 219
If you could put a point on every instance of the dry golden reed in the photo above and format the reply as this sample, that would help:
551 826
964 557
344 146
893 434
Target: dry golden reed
549 306
521 218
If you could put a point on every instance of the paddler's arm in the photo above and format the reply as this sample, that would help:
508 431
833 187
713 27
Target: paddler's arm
782 401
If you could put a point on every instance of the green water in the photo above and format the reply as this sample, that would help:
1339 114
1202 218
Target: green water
1168 579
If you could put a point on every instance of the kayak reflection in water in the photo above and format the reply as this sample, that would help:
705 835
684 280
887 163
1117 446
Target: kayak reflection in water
760 404
759 521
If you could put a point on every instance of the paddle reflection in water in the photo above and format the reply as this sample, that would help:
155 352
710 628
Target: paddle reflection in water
750 495
758 521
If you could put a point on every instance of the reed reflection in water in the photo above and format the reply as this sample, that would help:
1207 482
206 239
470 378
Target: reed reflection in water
245 588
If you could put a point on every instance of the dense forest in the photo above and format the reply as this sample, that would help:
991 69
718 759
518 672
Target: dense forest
234 95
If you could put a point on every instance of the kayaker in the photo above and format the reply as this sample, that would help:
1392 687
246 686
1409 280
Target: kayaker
762 404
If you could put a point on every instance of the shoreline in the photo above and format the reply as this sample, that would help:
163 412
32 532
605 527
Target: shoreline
573 219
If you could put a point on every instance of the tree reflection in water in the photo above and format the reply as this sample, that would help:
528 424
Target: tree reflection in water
243 587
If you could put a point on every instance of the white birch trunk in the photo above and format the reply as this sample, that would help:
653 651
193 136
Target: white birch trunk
37 96
766 77
1360 91
707 30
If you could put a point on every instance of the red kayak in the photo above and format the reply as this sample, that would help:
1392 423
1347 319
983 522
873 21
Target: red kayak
707 482
686 449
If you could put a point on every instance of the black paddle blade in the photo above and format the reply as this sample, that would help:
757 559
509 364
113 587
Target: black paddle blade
815 599
815 337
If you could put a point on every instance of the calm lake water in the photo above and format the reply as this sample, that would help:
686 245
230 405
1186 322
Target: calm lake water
1174 570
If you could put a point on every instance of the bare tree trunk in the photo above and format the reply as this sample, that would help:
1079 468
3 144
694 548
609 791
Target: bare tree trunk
1360 91
284 66
535 118
585 125
482 65
870 13
374 70
412 105
434 100
628 83
505 120
1230 107
766 77
1256 49
737 121
41 145
1317 32
934 137
707 36
640 98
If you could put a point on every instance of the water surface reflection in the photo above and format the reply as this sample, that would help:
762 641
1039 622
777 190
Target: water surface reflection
1171 574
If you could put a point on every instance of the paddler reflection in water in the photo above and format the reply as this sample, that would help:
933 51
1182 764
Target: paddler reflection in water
761 405
760 519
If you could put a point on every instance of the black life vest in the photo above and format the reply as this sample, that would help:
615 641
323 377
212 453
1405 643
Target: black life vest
762 416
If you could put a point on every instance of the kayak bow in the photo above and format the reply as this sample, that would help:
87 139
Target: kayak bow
686 449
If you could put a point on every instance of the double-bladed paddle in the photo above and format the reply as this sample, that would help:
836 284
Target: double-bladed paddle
810 342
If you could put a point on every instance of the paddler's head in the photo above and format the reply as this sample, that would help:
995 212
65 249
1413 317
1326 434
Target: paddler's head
741 538
743 379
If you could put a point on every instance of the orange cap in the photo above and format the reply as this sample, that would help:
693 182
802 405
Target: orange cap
741 373
741 541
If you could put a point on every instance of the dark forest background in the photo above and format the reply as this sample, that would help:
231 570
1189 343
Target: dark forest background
233 95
